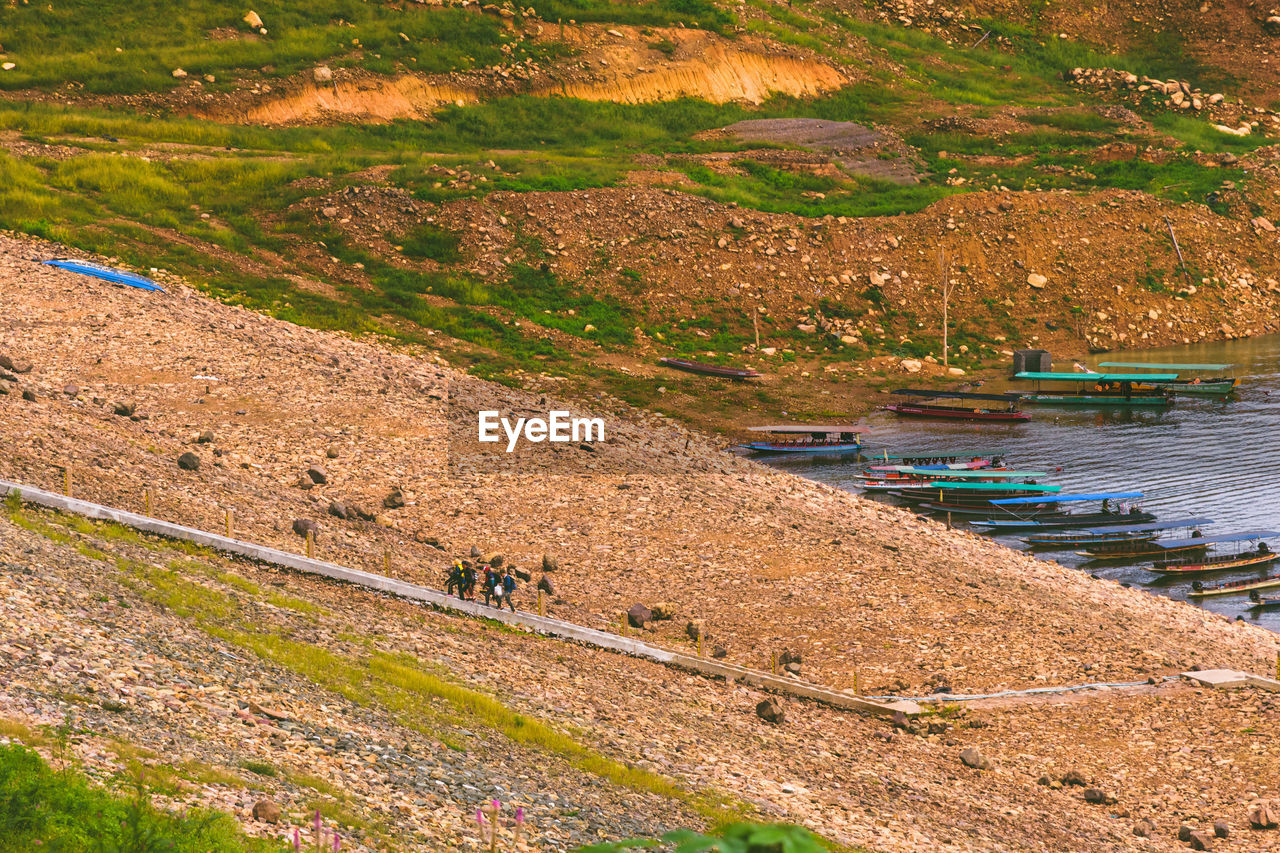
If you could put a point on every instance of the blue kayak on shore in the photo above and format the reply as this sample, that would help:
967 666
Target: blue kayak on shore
106 273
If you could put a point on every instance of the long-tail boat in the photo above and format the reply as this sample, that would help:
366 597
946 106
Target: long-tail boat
919 478
938 457
929 407
802 438
1259 556
1113 533
1017 517
1200 386
1098 389
1199 590
968 498
1146 549
710 369
1263 601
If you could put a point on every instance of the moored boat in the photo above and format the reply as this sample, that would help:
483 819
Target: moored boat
1199 590
1263 601
978 458
1113 533
1259 556
710 369
1098 389
906 477
929 407
802 438
1020 518
1200 386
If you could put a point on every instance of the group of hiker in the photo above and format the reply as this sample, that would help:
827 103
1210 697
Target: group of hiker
497 583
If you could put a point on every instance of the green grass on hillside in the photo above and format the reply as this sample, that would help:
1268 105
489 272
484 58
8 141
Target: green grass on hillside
44 809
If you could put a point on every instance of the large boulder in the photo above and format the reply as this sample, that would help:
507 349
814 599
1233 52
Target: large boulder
189 462
266 811
973 757
1264 814
639 616
549 563
771 711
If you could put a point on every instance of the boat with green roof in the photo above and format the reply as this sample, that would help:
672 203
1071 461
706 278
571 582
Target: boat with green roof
1098 389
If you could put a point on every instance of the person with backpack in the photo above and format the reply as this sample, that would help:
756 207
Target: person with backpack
508 583
468 581
455 581
490 582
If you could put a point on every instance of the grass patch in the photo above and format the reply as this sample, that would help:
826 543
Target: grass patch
41 809
428 241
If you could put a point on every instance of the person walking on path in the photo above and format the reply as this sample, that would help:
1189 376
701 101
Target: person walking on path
508 582
468 581
456 580
490 582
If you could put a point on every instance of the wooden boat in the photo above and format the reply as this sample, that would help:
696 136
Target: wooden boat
1098 389
1260 556
1148 549
1199 590
930 408
1020 519
980 458
918 478
968 498
710 369
1199 386
1114 533
802 438
1263 601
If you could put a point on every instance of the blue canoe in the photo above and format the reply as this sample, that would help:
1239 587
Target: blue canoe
106 273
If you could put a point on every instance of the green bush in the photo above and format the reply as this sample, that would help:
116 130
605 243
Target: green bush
41 809
736 838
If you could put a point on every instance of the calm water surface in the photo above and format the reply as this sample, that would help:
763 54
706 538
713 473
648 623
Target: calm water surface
1206 458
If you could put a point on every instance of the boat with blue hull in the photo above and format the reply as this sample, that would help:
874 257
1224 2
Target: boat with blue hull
802 438
1111 533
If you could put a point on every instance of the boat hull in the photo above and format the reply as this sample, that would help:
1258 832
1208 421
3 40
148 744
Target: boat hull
968 509
765 447
955 413
1204 388
1097 400
1208 566
1067 543
1139 553
710 369
1092 519
1272 582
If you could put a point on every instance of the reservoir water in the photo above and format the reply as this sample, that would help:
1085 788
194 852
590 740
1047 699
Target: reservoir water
1218 459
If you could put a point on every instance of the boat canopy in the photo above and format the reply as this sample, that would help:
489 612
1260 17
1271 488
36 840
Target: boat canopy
979 474
106 273
804 429
1096 377
1246 536
1150 527
885 456
1142 365
1062 499
983 487
1010 397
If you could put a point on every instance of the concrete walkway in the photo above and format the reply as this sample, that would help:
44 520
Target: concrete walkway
540 624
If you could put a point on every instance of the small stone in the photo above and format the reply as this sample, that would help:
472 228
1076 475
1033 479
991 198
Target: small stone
719 653
1221 829
329 212
1098 796
1184 832
125 410
1037 281
29 395
1264 814
322 74
189 462
1143 828
693 628
71 390
395 500
331 453
545 584
973 757
497 561
1201 840
318 475
771 711
178 73
338 509
205 437
664 610
1074 777
549 563
266 811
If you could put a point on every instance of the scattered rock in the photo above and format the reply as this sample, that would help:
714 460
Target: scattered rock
549 563
663 611
1264 814
638 616
1201 840
1144 828
497 561
693 628
205 437
719 653
1098 796
322 73
266 811
125 410
771 711
303 526
189 462
545 584
1037 281
911 365
973 757
29 395
1184 832
395 500
1074 777
1221 829
252 19
338 509
8 363
318 475
331 453
178 73
521 574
